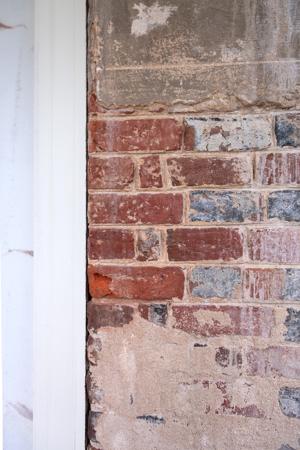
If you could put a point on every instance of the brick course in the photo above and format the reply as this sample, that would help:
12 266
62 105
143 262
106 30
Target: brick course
136 135
135 209
210 171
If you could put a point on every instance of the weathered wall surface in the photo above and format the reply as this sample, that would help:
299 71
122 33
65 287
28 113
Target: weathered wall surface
194 237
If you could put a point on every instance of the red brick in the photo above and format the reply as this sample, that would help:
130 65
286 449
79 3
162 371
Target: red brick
110 173
264 284
110 244
137 209
212 321
93 104
100 316
192 244
136 283
211 171
150 172
274 361
281 245
135 135
279 169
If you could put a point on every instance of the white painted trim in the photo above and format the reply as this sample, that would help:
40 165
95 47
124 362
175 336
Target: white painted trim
59 225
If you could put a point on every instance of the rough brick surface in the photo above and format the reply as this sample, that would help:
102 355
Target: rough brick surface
281 245
284 205
289 401
156 313
111 244
211 171
287 130
204 244
226 134
110 173
213 206
193 210
150 172
141 283
292 284
134 135
148 245
108 315
212 321
292 323
264 284
220 282
272 284
279 169
135 209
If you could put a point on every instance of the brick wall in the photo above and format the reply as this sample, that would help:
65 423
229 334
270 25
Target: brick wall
194 238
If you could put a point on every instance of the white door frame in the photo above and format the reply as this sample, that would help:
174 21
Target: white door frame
59 225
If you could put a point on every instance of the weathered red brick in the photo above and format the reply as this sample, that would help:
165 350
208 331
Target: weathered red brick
100 316
211 171
139 209
212 321
135 135
110 244
281 245
192 244
150 172
264 284
136 283
279 169
274 361
110 173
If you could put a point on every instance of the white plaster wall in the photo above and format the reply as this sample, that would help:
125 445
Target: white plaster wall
16 218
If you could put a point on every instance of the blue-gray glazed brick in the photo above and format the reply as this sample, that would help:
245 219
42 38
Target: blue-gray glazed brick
292 285
214 206
219 282
287 130
292 323
284 205
289 401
